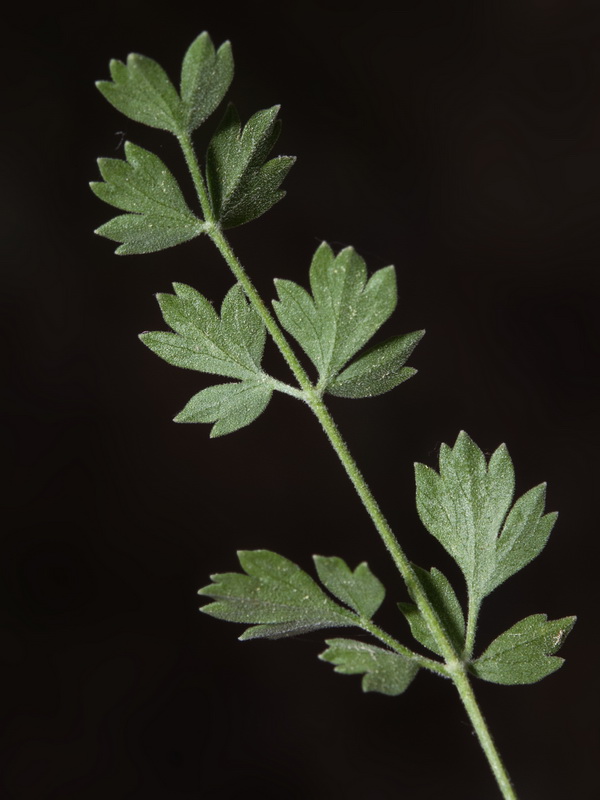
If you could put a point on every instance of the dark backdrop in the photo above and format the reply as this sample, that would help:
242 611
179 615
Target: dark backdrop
456 140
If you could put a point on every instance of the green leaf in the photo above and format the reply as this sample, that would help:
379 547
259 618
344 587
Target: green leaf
143 185
148 233
275 595
240 184
384 671
442 597
205 78
524 653
343 313
229 405
465 507
378 369
231 345
143 92
360 589
523 536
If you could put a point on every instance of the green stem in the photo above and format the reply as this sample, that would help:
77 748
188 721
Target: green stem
214 232
428 663
465 690
285 388
383 528
454 666
472 614
186 145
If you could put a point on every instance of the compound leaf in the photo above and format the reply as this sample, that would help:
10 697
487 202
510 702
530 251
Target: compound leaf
143 185
205 78
275 595
229 405
525 652
378 370
360 590
230 345
142 90
442 597
240 184
466 507
384 671
343 313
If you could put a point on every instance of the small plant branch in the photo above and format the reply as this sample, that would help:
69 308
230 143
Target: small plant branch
320 410
453 667
467 506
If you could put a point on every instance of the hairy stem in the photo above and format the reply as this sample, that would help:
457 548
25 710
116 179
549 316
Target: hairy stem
454 666
472 614
427 663
218 238
465 690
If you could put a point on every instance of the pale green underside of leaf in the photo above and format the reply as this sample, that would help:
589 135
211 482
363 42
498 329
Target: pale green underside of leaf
524 535
442 597
143 185
360 590
343 313
378 370
525 652
241 185
230 345
384 671
142 90
229 405
205 78
145 233
465 507
275 595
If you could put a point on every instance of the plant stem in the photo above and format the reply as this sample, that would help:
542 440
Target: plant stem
472 614
185 142
318 407
218 238
454 666
465 690
428 663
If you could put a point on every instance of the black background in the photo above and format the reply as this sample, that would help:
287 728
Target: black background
459 141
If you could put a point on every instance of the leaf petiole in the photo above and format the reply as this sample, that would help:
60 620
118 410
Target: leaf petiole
427 663
474 606
285 388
